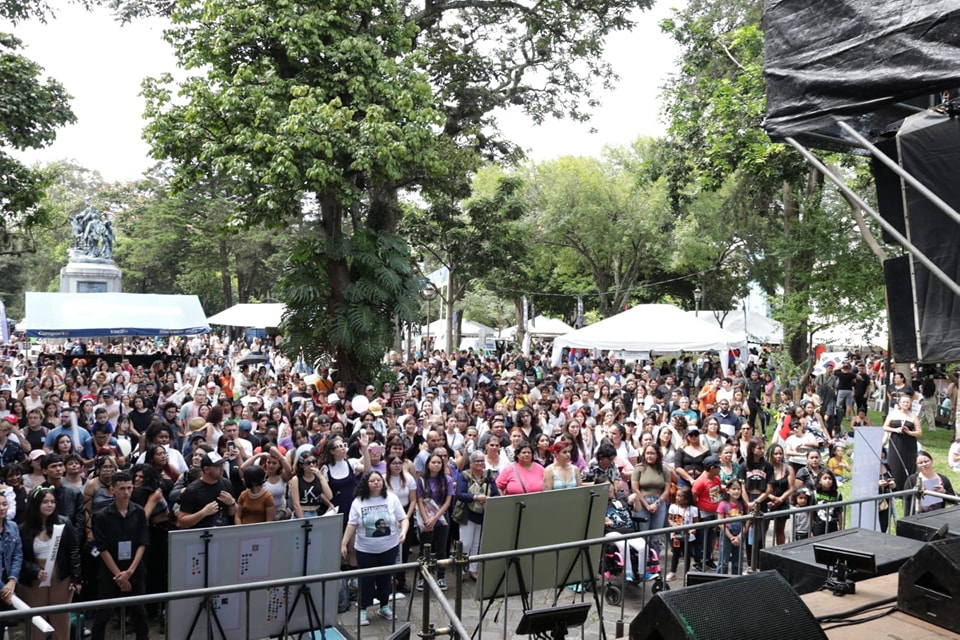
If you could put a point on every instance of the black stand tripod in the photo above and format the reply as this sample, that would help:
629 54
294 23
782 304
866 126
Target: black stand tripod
583 555
314 621
511 563
206 604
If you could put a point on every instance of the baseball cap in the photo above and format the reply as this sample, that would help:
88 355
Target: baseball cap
711 461
375 409
212 459
245 425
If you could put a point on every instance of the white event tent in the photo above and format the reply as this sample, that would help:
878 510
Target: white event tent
646 328
84 315
257 316
541 326
748 326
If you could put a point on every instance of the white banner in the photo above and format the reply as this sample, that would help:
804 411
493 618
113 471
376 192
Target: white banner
867 458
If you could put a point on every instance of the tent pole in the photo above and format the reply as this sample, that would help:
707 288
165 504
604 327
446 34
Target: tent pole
900 171
889 228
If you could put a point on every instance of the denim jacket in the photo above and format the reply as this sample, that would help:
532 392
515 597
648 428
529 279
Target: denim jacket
11 551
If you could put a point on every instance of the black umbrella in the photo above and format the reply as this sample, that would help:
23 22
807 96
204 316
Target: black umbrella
252 358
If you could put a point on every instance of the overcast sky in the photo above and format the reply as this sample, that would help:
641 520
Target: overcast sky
102 63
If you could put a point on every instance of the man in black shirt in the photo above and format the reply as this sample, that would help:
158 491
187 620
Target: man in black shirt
207 502
121 534
845 380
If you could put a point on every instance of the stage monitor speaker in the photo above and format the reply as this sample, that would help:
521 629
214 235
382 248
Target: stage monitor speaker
929 585
752 607
693 578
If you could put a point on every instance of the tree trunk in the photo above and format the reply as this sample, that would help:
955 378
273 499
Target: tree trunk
225 273
518 316
349 368
450 300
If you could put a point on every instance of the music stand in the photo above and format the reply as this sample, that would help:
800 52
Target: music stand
553 620
304 594
839 563
206 603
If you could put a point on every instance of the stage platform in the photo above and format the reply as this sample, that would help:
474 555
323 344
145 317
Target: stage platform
897 625
795 560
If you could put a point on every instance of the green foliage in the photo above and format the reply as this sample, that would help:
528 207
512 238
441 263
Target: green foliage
748 205
357 327
31 110
611 224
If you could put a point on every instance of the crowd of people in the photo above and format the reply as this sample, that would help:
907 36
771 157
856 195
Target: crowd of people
100 460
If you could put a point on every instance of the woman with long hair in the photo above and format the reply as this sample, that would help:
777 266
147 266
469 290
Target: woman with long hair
434 496
577 427
376 527
402 483
782 486
310 493
712 436
650 484
931 481
543 450
46 534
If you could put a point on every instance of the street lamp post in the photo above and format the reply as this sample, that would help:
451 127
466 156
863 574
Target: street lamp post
697 294
428 293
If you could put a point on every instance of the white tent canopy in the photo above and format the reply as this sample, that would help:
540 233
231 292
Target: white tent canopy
468 329
748 326
542 326
89 315
660 328
258 316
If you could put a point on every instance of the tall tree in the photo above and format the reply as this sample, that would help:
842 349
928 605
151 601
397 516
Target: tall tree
340 104
600 216
470 238
32 108
775 208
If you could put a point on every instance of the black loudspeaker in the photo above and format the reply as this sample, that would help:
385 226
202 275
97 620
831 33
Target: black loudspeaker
929 585
752 607
889 189
903 325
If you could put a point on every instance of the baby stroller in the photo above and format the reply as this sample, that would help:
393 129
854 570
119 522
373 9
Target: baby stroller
611 566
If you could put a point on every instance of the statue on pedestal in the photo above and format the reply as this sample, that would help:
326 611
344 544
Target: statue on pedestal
93 236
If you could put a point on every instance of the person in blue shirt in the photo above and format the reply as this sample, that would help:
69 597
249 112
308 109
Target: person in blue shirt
11 559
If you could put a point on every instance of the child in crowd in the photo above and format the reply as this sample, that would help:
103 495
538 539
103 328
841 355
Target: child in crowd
682 512
830 519
802 497
838 464
733 533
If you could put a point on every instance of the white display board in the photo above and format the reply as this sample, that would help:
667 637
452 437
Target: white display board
536 520
253 553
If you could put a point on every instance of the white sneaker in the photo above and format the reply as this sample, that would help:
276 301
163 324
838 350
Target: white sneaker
363 618
386 613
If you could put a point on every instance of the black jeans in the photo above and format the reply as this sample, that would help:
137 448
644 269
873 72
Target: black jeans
108 589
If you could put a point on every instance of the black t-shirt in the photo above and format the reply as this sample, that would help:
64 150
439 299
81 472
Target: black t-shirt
198 495
845 380
756 477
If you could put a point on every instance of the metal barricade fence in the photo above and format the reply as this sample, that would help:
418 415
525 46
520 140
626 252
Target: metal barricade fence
597 582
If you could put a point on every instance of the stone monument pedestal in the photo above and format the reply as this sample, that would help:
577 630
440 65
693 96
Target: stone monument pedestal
90 277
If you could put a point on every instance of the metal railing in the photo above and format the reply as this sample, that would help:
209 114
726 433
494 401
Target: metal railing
599 578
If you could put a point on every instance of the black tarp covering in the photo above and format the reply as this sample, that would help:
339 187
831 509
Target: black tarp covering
855 59
929 147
